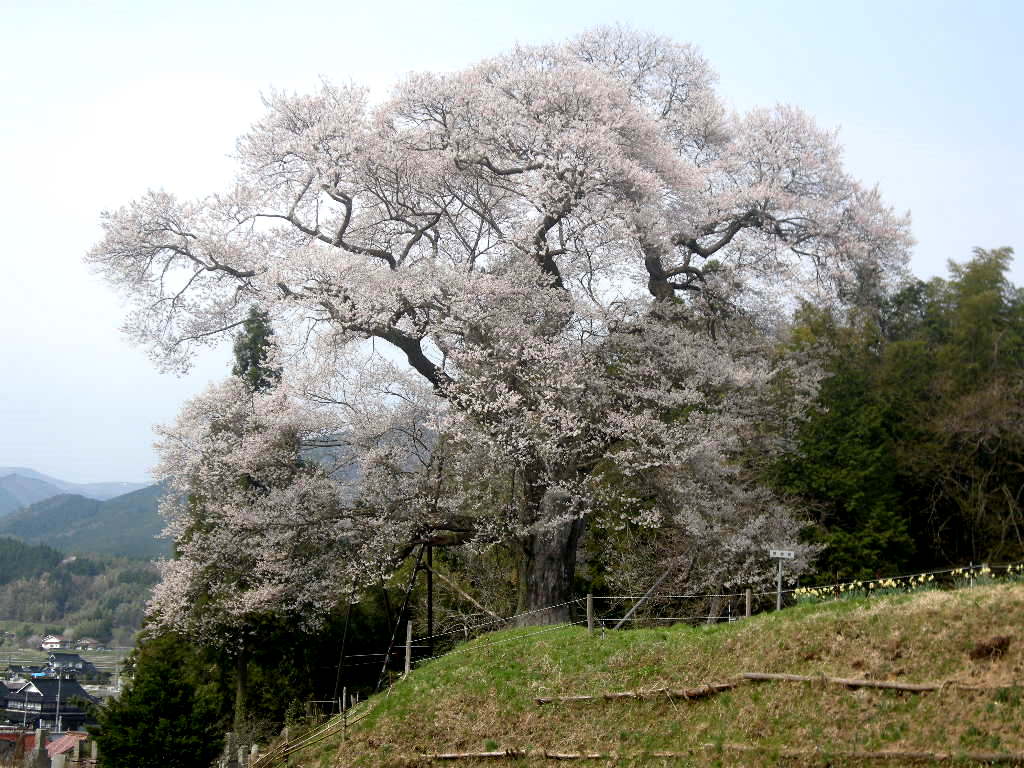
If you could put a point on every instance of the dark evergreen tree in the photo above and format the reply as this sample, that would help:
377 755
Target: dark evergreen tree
166 717
251 349
844 470
914 457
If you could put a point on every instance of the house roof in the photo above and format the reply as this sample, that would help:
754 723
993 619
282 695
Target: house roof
66 658
25 669
25 693
64 744
46 688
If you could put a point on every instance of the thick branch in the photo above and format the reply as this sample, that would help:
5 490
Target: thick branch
485 161
690 242
413 349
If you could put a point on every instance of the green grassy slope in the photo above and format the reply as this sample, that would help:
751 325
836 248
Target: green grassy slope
482 697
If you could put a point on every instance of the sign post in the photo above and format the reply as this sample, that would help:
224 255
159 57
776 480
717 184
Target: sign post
780 555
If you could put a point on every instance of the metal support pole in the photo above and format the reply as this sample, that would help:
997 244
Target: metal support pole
778 588
430 599
408 646
590 614
60 679
643 599
398 623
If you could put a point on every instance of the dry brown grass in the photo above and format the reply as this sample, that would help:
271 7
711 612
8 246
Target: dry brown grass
483 700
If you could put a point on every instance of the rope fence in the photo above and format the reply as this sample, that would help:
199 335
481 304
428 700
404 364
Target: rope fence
493 622
823 591
970 572
517 638
906 582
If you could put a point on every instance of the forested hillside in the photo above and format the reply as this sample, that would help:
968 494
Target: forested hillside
21 561
43 590
8 502
18 491
914 454
124 526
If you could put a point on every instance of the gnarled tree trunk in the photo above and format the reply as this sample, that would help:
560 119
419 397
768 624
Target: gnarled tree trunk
241 688
547 563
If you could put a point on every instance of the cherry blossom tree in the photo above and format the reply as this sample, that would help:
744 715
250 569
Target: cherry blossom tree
516 294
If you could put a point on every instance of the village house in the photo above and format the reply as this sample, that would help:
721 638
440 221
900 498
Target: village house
45 703
64 663
24 671
53 643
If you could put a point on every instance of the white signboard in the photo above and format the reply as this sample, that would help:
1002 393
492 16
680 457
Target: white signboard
784 554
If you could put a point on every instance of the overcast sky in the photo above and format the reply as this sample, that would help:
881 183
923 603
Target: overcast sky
102 100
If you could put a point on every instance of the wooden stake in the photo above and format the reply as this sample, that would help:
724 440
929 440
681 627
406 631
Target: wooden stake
687 694
590 614
857 683
398 622
886 755
750 601
711 689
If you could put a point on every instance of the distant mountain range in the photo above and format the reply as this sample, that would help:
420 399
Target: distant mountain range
21 486
89 518
126 525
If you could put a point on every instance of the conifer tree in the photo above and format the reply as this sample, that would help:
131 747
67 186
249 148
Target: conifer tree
164 718
252 348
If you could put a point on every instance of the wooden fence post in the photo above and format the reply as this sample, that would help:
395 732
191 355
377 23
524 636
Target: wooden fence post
750 601
590 613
